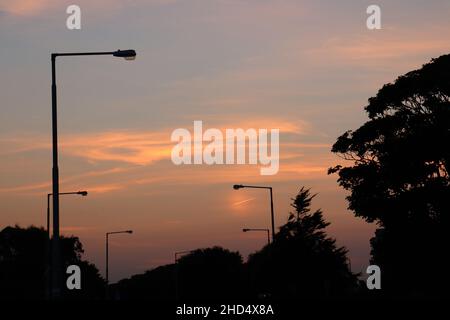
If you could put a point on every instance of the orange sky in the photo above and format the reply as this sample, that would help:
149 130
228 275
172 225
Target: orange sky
304 67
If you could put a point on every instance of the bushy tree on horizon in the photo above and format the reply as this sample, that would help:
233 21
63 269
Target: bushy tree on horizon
398 178
23 265
303 261
212 273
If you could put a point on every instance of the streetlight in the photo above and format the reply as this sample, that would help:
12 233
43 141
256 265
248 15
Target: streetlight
176 269
56 250
107 251
241 186
82 193
266 230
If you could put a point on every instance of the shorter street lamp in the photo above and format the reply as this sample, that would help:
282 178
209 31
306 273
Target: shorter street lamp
241 186
176 269
266 230
81 193
107 251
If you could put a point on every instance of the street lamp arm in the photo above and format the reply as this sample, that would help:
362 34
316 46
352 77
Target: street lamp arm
117 53
66 193
115 232
260 187
255 187
62 54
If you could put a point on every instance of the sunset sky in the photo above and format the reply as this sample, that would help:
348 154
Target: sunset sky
304 67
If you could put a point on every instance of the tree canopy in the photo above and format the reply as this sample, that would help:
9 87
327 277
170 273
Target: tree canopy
399 174
303 260
24 265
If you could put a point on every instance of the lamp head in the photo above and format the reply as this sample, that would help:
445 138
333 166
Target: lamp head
238 186
245 230
126 54
83 193
129 231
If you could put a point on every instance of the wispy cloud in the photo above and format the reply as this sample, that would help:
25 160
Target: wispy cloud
26 188
381 49
76 229
25 7
142 158
36 7
240 203
139 147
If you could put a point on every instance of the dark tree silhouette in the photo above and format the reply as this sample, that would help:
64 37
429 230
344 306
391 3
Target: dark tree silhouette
155 284
302 261
23 265
399 178
211 273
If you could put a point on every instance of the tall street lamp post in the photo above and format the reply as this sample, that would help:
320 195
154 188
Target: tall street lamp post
240 186
56 249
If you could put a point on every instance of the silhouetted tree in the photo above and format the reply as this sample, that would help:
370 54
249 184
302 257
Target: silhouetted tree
211 273
302 261
155 284
399 178
23 265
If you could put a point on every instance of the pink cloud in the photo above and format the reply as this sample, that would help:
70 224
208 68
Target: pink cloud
36 7
381 49
25 7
